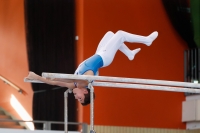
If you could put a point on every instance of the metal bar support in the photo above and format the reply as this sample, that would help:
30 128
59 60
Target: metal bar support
66 110
47 126
91 107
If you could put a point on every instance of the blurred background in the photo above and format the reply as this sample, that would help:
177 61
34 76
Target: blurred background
56 35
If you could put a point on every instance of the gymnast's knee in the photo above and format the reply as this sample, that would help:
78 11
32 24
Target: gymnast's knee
120 32
109 33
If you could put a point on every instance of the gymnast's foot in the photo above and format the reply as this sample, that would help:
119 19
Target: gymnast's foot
134 52
152 37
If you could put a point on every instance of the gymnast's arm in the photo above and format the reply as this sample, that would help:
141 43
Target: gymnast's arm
34 76
84 83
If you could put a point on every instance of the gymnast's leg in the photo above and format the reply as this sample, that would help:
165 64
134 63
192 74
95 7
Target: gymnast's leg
124 49
104 40
108 51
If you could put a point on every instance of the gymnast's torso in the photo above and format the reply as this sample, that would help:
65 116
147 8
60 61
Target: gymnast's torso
93 64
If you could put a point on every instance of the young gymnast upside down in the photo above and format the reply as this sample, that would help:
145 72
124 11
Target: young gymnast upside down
105 53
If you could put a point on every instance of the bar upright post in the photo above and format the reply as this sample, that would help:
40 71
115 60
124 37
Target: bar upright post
91 108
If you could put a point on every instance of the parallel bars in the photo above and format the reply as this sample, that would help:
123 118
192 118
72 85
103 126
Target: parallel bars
120 82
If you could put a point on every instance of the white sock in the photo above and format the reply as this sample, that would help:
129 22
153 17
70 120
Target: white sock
134 52
152 37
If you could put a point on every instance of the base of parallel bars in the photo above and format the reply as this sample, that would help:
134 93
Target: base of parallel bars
92 131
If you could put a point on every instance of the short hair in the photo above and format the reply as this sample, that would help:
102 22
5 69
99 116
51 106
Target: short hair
87 98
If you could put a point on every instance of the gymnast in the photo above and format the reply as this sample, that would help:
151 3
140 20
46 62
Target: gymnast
103 57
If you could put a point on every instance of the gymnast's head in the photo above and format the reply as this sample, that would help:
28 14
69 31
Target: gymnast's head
82 95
